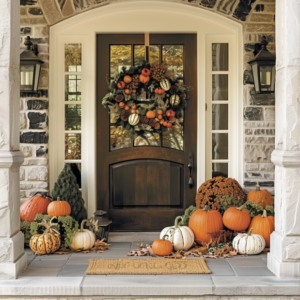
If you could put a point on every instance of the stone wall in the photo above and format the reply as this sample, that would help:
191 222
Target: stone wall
34 111
257 17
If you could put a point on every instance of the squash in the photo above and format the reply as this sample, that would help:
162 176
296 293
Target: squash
162 247
59 208
182 237
263 225
174 100
159 91
203 222
247 243
37 204
150 114
48 242
133 119
237 219
144 79
261 197
165 84
84 239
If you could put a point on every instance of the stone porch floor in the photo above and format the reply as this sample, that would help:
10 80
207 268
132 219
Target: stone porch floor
65 275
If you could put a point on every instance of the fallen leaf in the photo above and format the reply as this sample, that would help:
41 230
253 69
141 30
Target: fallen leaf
66 251
174 255
233 252
266 250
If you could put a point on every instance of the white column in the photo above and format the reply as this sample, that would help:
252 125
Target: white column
12 257
284 258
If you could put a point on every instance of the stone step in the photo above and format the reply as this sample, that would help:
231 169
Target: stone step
132 236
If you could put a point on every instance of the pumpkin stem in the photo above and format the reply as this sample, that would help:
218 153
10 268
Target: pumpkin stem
257 187
264 215
58 199
206 208
240 208
82 224
164 237
176 221
249 232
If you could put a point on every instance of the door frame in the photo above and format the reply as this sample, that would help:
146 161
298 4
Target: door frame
84 28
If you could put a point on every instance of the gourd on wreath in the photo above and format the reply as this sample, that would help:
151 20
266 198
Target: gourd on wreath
84 239
159 91
203 222
263 225
182 237
248 243
165 84
37 204
174 100
59 208
162 247
133 119
236 218
261 197
48 242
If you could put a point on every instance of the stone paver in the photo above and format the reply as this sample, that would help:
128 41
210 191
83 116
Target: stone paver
253 271
247 262
73 271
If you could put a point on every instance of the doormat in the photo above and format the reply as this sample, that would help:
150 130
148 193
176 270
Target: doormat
147 266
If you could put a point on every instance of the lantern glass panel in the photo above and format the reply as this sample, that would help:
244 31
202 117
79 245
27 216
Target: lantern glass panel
256 78
265 74
27 72
37 77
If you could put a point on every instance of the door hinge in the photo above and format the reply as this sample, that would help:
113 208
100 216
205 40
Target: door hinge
205 106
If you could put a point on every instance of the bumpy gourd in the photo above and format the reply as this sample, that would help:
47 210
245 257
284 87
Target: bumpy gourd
261 197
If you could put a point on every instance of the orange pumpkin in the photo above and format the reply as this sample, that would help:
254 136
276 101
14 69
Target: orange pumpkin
127 92
59 208
203 222
263 225
162 247
127 79
144 79
37 204
236 219
150 114
261 197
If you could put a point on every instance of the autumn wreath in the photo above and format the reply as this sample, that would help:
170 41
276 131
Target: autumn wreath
146 97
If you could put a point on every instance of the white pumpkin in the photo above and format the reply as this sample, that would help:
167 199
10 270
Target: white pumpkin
133 119
174 100
247 243
84 239
165 84
182 237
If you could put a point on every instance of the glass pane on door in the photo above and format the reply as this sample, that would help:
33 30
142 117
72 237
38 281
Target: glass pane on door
219 116
72 57
72 145
220 146
173 58
73 88
219 87
220 57
120 56
73 117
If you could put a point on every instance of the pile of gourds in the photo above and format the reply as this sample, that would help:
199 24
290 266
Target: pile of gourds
205 221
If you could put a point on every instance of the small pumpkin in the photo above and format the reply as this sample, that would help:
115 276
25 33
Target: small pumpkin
48 242
133 119
59 208
121 104
126 107
174 100
37 204
146 72
127 79
84 239
165 84
121 85
162 247
248 243
170 113
150 114
182 237
144 79
203 222
159 112
261 197
237 219
159 91
127 91
263 225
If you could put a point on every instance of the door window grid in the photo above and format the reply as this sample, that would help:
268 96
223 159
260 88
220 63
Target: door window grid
128 55
218 129
72 109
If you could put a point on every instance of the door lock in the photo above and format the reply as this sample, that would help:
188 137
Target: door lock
191 167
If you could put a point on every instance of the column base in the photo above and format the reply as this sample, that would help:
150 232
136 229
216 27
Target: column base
12 270
283 269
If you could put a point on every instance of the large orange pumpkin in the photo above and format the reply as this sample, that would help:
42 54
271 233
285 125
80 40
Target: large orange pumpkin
37 204
203 222
162 247
236 219
59 208
261 197
263 225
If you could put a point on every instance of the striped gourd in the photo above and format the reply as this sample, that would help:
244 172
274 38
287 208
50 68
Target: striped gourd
174 100
165 84
133 119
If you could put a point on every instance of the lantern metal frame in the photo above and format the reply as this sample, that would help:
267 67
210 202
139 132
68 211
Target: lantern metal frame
29 58
262 59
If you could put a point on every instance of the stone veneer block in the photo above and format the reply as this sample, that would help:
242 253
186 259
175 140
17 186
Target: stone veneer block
253 113
33 21
270 114
258 153
37 174
68 8
82 4
243 9
27 151
262 18
208 3
226 6
33 137
37 120
260 28
50 9
37 104
41 151
261 99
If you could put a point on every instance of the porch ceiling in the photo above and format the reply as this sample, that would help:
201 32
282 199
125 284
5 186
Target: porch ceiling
238 10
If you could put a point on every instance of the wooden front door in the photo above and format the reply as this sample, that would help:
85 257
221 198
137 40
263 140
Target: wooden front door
144 184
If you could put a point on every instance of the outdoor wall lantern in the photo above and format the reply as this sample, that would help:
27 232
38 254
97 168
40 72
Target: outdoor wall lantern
30 69
263 69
